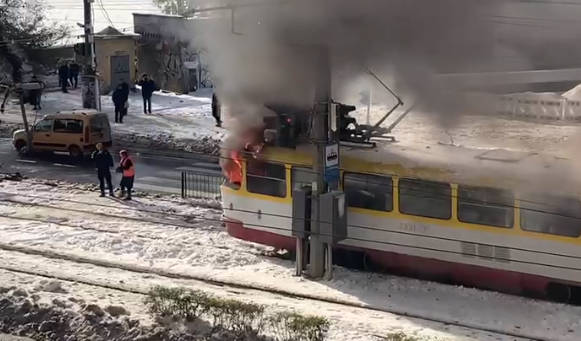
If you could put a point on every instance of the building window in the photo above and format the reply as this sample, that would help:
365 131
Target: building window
485 206
266 178
372 192
301 177
68 126
551 214
425 198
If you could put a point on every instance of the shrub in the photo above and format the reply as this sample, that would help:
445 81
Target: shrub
296 327
240 318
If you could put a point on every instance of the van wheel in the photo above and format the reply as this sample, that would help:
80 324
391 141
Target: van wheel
21 147
75 152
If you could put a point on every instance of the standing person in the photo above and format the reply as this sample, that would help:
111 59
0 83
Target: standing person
103 163
125 91
64 76
216 110
36 94
127 168
119 102
74 70
148 86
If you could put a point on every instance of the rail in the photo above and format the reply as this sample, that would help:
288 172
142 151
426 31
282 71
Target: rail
200 184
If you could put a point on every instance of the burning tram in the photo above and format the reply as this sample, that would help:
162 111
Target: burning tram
493 219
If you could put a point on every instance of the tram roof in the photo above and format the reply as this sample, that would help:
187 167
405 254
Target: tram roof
476 150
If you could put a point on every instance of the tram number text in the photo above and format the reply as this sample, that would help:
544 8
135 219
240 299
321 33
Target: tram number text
413 227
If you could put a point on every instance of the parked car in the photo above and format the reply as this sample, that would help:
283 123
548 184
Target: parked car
76 133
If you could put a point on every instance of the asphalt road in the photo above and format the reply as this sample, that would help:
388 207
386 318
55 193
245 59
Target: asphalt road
154 173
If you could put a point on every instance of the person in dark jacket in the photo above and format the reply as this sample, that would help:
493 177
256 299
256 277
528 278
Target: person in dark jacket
103 163
127 168
74 70
216 110
64 76
148 86
119 100
36 94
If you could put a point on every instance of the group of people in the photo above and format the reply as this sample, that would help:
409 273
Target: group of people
121 97
104 162
68 75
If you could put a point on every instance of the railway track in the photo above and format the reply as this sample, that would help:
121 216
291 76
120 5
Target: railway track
224 285
144 270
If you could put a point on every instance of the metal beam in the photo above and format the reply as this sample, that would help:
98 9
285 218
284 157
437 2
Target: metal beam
510 77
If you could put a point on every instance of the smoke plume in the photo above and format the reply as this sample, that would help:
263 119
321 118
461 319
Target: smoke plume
267 53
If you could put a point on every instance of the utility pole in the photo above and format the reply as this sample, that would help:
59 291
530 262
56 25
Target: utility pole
319 211
320 136
90 81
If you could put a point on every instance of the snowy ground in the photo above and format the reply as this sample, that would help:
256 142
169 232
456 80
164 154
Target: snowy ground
182 122
48 229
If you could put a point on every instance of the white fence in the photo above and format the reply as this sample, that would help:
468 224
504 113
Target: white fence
539 107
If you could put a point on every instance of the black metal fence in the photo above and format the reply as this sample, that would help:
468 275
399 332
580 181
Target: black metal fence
201 185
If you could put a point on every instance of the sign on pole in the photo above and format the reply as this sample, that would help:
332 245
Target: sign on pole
332 164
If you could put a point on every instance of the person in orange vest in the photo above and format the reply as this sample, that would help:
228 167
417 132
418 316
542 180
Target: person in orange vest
127 168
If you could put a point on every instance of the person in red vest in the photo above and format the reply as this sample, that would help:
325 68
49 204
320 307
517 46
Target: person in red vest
127 168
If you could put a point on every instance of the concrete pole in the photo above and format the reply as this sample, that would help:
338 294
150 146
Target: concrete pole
25 121
320 136
91 65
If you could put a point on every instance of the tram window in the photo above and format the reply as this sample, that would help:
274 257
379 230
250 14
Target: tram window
266 178
372 192
301 177
485 206
552 215
425 198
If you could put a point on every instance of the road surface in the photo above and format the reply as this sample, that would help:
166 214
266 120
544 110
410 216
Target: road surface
154 173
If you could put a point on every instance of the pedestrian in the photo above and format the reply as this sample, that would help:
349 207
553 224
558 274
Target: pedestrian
74 70
148 86
216 110
103 163
125 91
127 168
36 94
119 102
64 76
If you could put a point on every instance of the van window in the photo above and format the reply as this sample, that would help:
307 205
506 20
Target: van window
99 124
266 178
485 206
425 198
551 214
43 126
372 192
301 177
68 126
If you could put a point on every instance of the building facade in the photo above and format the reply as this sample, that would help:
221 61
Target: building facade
166 53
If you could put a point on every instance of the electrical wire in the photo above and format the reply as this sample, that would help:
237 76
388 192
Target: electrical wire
105 13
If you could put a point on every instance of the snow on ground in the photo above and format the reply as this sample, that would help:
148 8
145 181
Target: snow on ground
175 119
180 238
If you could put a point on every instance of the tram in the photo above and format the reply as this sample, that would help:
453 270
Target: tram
492 219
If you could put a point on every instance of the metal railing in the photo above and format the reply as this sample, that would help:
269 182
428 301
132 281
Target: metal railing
201 185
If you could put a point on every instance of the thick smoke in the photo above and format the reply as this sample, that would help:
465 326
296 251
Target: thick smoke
267 53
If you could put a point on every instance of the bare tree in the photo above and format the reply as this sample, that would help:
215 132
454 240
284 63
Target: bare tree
23 26
176 7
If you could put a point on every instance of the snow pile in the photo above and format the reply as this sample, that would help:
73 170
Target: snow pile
67 318
573 94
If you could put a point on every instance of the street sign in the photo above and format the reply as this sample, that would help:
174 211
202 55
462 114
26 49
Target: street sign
332 163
